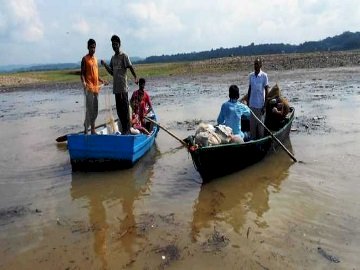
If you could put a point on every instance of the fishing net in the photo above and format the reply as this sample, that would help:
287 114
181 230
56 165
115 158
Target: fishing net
111 125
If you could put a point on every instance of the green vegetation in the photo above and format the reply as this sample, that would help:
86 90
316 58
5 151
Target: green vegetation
163 69
142 70
53 76
73 75
210 66
345 41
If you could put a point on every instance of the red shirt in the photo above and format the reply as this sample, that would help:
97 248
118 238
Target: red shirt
140 102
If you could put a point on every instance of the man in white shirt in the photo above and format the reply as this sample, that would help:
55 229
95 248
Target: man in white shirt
257 93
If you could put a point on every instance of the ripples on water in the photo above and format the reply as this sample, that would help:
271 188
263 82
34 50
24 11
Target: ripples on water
273 215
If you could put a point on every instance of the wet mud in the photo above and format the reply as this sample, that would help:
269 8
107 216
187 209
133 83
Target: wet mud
11 214
275 215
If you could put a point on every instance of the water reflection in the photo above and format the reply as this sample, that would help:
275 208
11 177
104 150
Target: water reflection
61 147
104 193
240 198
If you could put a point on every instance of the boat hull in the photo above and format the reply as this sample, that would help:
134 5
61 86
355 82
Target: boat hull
219 160
109 151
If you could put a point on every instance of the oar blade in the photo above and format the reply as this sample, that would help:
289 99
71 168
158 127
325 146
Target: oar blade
62 138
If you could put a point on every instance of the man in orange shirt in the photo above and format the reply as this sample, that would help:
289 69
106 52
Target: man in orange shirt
90 80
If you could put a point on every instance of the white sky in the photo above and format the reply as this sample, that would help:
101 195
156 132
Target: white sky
50 31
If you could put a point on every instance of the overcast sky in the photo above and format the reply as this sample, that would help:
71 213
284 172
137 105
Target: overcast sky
49 31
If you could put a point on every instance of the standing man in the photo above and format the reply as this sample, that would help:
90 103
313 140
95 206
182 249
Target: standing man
90 81
257 93
119 64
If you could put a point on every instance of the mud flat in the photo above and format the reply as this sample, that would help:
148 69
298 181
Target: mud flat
284 61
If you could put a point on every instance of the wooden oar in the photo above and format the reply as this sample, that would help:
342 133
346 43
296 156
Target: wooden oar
273 136
63 138
168 131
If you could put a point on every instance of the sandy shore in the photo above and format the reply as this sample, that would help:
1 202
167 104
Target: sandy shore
273 62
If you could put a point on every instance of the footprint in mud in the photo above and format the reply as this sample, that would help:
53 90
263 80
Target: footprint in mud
328 256
315 124
215 242
169 254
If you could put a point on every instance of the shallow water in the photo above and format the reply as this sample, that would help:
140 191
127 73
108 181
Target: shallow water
158 215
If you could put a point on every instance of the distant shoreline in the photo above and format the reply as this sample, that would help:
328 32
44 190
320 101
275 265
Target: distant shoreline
66 78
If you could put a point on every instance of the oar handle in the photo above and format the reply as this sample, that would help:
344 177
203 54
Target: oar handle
166 130
273 136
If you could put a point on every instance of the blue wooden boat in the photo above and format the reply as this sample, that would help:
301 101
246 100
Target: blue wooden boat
108 151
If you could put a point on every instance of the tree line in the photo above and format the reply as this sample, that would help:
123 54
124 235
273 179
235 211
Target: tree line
345 41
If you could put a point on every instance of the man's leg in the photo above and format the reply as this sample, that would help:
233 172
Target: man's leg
88 108
94 111
122 108
255 126
260 126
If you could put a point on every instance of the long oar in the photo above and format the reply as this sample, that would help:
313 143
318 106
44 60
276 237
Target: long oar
273 136
168 131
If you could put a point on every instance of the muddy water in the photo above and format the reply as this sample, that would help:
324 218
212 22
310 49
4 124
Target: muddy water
274 215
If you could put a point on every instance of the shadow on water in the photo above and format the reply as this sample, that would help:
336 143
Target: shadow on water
241 197
61 147
104 192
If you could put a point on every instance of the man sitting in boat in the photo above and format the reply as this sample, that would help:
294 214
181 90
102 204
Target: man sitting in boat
277 107
136 127
231 113
140 103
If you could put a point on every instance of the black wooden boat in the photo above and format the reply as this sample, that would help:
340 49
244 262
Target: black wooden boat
219 160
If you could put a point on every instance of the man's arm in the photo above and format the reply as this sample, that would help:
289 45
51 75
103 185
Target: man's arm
82 73
266 91
103 81
248 95
132 101
133 73
107 67
221 117
266 88
149 103
245 111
